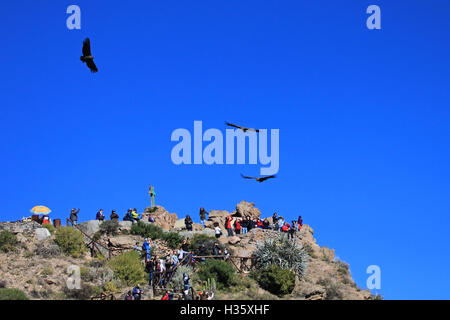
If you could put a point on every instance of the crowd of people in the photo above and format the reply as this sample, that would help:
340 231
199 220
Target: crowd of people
162 268
242 225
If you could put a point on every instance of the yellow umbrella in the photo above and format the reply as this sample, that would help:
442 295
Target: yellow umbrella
40 209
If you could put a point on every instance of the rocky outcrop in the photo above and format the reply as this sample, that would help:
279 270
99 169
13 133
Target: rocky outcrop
162 217
245 208
20 227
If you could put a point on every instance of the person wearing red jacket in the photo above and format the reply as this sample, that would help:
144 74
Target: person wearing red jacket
237 226
228 226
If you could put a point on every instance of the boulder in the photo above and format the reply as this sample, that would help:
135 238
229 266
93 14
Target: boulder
190 234
90 227
217 216
125 225
234 240
245 208
162 217
179 224
125 241
42 234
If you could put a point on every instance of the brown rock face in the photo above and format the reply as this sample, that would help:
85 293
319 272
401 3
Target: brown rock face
216 216
162 217
245 208
233 239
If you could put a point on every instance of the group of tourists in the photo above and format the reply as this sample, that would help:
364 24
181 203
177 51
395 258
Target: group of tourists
242 225
100 216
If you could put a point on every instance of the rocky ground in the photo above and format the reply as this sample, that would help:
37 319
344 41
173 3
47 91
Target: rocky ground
40 269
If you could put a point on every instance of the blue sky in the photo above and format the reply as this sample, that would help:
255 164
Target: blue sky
363 118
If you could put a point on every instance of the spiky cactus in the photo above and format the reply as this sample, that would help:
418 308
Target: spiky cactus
282 252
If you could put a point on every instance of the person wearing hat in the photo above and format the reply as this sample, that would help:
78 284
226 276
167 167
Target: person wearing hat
114 215
74 216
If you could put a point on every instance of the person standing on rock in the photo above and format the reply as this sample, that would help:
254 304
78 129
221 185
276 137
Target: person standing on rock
228 225
292 229
74 216
281 223
217 230
300 222
188 222
275 221
244 224
237 226
203 214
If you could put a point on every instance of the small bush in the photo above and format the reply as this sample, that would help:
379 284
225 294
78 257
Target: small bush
127 267
376 297
146 230
276 280
85 274
85 293
173 239
70 241
48 250
47 271
222 272
12 294
109 227
200 239
343 267
309 250
8 241
154 232
110 287
332 289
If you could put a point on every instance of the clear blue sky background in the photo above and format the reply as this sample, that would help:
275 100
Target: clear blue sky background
363 118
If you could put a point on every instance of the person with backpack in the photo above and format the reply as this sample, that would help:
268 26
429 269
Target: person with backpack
203 214
137 293
128 216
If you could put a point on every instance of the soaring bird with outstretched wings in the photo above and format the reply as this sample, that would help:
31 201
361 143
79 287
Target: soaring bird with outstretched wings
259 179
242 128
87 56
